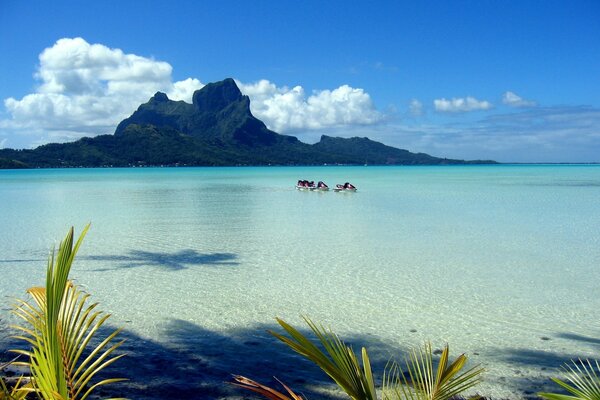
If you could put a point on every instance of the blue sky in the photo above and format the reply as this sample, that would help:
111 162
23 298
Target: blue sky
504 80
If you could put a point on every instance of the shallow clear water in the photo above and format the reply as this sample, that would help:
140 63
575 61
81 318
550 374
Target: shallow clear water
502 262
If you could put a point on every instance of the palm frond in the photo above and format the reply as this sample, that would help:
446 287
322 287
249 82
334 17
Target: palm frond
421 382
61 326
584 382
338 360
266 391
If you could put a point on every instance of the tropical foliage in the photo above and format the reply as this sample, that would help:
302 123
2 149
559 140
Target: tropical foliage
355 377
584 382
421 382
338 361
61 328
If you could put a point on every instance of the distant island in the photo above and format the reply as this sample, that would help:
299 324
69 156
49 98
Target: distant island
217 129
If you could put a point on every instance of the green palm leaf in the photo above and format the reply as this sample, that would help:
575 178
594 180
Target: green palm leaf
60 327
338 360
421 382
584 382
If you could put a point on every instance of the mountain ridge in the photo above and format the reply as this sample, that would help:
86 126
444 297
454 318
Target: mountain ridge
216 129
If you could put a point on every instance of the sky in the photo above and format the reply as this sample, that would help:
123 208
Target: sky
512 81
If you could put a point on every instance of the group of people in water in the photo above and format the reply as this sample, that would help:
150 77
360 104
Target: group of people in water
311 184
304 184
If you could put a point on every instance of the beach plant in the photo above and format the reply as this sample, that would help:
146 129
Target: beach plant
421 382
61 329
584 382
338 360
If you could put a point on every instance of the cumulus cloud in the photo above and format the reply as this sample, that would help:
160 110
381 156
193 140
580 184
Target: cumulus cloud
514 100
86 89
287 110
461 104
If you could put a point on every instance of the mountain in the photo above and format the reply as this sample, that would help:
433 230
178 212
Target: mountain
218 128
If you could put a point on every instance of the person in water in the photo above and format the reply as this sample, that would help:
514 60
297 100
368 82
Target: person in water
348 185
322 184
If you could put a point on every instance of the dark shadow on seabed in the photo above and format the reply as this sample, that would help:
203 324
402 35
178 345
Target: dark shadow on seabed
580 338
173 261
545 363
21 260
198 362
28 257
551 358
190 362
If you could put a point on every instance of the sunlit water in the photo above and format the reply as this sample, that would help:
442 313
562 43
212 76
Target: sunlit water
501 262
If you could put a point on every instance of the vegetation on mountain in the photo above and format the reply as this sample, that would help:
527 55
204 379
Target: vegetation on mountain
217 129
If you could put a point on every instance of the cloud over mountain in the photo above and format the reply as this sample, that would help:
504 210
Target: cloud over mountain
87 89
284 109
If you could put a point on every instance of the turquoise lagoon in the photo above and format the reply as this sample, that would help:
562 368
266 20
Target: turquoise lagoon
501 262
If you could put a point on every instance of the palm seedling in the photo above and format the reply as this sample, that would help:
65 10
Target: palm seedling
340 362
60 328
421 382
584 382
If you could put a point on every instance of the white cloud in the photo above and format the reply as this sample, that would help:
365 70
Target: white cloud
184 90
514 100
287 110
89 88
3 143
461 104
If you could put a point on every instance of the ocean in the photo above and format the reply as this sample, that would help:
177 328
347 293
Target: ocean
499 261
